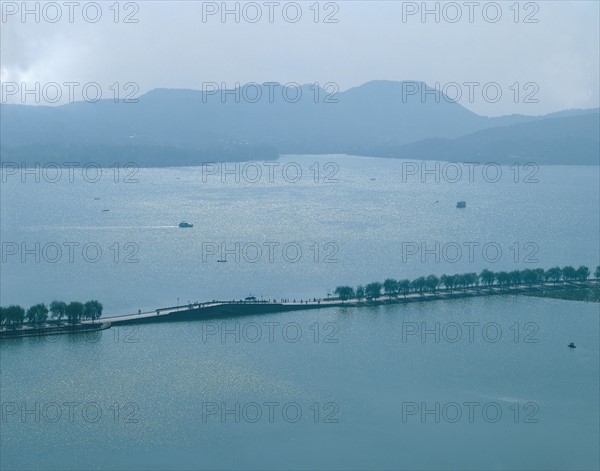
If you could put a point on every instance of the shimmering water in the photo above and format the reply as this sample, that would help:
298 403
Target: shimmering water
354 374
359 370
351 231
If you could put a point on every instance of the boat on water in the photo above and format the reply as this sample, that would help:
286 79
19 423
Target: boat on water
185 224
571 345
221 261
461 204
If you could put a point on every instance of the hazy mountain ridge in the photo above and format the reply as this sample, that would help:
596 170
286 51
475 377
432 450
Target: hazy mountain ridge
570 140
186 127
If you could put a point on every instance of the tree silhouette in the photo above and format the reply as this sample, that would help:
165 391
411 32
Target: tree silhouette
503 279
515 277
404 287
540 275
449 281
583 273
390 286
373 290
432 283
474 277
461 281
569 273
58 310
74 312
419 285
529 277
344 292
487 277
471 279
553 274
93 310
37 314
15 315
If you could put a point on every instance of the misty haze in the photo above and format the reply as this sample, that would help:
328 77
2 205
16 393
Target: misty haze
300 235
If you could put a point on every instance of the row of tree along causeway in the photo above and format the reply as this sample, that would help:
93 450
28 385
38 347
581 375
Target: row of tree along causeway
40 319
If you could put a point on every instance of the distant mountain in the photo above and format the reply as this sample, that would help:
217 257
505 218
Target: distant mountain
185 127
573 140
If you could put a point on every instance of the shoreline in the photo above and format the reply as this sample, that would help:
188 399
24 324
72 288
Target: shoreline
211 310
54 330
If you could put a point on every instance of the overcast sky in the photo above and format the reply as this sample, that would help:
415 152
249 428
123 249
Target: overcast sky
551 46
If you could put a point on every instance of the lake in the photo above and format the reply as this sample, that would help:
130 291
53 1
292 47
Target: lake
485 383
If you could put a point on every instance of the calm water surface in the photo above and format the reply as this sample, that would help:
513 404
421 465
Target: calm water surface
359 370
364 221
165 396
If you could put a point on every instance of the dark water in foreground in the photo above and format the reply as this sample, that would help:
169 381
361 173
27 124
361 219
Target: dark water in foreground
360 379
